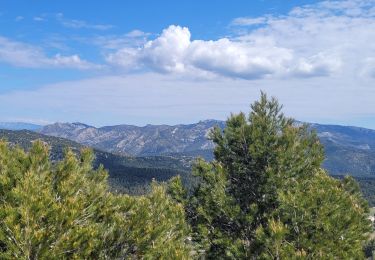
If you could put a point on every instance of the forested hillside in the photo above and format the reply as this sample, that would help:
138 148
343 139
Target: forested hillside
126 174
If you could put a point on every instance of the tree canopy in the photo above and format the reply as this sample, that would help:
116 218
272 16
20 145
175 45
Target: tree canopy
64 210
266 196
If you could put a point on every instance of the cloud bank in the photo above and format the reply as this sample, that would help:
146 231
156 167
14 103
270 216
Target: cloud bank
154 98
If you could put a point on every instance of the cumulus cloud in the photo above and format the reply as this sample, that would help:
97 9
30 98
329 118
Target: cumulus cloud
330 38
174 52
24 55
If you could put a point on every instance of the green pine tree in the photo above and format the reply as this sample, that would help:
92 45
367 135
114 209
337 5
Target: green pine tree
63 210
266 196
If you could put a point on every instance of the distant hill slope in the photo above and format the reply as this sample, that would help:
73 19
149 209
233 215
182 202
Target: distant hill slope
126 173
19 126
348 149
139 141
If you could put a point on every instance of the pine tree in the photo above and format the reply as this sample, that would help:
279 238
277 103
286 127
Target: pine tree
265 192
63 210
317 218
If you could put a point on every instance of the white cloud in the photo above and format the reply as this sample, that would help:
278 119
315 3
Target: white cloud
136 33
327 39
239 60
166 52
73 61
174 52
246 21
25 55
320 64
79 24
133 38
167 99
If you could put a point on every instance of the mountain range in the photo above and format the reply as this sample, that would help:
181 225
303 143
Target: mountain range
132 140
348 149
136 155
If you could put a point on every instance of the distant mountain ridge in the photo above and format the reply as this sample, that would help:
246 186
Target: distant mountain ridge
148 140
349 149
19 126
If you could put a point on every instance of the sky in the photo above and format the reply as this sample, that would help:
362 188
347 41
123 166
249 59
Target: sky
171 62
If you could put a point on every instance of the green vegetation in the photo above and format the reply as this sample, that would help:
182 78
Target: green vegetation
264 196
66 211
126 174
342 159
367 185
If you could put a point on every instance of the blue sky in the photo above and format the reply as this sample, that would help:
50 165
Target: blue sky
168 62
